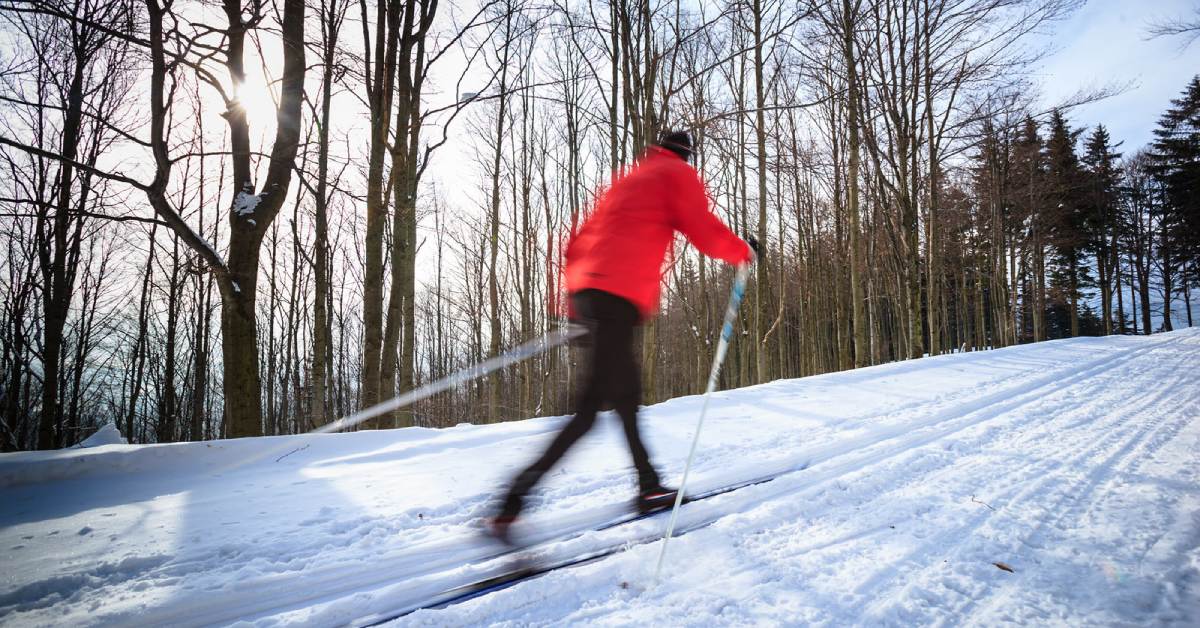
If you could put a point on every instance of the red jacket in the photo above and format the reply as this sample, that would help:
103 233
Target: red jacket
621 247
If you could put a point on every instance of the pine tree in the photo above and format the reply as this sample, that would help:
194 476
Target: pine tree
1066 216
1175 164
1028 202
1100 216
1139 222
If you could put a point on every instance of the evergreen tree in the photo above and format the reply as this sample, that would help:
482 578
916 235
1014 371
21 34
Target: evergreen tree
1103 182
1175 164
1140 224
1066 216
1027 203
991 187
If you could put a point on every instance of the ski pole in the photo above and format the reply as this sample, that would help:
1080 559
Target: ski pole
514 355
735 300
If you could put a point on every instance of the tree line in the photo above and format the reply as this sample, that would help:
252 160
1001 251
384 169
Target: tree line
192 259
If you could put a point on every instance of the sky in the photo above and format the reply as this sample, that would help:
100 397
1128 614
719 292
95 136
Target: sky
1106 42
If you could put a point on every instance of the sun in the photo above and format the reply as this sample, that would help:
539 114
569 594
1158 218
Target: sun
255 99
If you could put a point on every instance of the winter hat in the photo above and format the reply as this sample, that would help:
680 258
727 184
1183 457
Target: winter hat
678 142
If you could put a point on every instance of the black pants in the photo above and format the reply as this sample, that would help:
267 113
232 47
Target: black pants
612 378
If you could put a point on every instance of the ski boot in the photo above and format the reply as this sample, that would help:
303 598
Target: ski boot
499 528
657 498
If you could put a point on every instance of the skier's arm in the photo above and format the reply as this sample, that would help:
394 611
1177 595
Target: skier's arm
703 229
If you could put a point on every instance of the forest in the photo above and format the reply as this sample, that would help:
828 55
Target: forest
231 218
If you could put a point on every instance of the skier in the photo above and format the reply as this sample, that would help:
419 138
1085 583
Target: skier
613 276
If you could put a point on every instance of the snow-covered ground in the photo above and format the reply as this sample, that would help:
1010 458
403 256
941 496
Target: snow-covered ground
1073 463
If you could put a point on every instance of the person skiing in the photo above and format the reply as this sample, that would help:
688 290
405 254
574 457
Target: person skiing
613 276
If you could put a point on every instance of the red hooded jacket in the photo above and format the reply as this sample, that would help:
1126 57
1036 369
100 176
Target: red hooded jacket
621 247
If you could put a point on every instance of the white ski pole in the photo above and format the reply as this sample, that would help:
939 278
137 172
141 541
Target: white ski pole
512 356
735 300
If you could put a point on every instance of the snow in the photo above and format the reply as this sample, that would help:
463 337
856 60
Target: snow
1070 462
106 435
244 203
208 245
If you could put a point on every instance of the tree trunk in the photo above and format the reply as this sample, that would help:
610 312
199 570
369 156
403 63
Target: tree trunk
239 329
494 340
932 238
861 348
1167 274
1073 287
138 358
58 278
761 305
380 93
168 411
332 15
239 340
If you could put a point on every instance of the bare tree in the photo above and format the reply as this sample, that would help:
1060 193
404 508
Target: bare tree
1187 26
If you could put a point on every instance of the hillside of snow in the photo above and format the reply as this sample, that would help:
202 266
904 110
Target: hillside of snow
1056 483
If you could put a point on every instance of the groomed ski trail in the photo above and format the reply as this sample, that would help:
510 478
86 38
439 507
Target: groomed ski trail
897 519
949 576
827 465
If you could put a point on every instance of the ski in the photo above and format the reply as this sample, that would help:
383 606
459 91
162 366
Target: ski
524 569
629 517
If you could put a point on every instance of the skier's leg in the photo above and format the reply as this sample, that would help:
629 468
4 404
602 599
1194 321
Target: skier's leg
579 425
647 476
625 392
589 396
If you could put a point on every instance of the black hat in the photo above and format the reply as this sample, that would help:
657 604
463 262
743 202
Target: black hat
678 142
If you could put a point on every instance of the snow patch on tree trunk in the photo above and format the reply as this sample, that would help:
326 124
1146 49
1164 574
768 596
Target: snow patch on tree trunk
244 204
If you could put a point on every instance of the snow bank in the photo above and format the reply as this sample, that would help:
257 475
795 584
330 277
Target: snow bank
111 456
106 435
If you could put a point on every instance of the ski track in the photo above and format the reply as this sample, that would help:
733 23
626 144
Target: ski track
893 590
1000 397
914 590
1051 481
908 502
897 581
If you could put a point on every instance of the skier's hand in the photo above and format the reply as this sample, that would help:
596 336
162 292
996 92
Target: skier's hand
754 246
